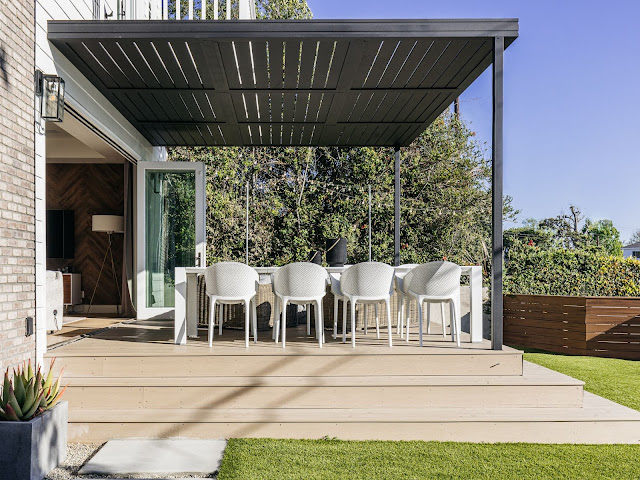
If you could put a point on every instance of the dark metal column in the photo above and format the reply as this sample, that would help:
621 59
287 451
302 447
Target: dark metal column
396 205
496 190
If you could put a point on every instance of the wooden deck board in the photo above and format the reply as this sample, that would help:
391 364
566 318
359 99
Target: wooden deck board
156 338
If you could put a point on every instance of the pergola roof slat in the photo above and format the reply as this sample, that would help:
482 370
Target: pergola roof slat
133 54
293 82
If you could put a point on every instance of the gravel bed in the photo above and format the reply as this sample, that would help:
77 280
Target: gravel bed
79 453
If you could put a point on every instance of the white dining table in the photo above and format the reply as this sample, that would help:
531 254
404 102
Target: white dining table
186 298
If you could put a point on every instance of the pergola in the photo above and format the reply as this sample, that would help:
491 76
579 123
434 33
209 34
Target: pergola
341 83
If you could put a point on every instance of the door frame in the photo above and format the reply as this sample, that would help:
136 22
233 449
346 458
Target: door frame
144 312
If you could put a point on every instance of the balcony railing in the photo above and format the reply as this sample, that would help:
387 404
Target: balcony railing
208 10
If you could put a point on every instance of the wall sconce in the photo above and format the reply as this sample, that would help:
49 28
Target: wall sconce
50 90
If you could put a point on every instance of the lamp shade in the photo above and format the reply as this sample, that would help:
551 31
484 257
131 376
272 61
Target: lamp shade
107 223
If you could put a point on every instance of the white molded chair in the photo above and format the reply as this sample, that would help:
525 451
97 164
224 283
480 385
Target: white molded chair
366 283
437 282
403 298
301 283
232 283
337 297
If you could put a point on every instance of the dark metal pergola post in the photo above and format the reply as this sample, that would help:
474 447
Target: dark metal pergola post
396 208
497 196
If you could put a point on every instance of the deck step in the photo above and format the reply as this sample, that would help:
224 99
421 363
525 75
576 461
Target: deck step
537 387
598 421
319 365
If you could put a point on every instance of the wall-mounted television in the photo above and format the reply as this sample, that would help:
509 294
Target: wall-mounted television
60 234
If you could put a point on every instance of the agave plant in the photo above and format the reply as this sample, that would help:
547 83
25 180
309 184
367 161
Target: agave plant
28 394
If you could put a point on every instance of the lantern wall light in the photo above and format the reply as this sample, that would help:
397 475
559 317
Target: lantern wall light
50 91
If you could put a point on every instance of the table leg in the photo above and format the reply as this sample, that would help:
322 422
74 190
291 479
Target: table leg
180 321
476 304
192 305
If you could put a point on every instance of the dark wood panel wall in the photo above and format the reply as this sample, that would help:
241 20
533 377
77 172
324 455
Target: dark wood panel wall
596 326
93 189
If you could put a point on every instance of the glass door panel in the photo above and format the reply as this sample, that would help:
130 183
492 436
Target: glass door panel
170 231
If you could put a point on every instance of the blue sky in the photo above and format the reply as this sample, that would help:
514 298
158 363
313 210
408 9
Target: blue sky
571 99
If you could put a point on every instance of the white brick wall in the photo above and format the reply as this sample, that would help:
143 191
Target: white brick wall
17 181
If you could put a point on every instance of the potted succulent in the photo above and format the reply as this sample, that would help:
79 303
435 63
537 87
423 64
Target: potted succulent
33 424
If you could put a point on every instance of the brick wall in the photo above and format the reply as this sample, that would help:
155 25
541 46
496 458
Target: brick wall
17 181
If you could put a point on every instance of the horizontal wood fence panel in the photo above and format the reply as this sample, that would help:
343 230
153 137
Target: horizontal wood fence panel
533 321
552 333
596 326
546 300
622 328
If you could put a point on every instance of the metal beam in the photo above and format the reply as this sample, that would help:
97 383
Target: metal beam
396 208
497 195
241 30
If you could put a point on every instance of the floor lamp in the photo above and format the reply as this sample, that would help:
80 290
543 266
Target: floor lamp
108 224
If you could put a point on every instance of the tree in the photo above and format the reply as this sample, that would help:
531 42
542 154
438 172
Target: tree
565 228
283 9
603 234
635 238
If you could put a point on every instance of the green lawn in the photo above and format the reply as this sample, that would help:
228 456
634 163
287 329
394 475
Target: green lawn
617 380
336 459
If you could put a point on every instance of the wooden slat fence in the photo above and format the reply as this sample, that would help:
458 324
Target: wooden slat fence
595 326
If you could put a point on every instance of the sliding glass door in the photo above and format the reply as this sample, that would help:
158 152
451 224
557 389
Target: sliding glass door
170 230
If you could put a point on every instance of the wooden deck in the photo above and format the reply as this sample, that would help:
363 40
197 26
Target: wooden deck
131 380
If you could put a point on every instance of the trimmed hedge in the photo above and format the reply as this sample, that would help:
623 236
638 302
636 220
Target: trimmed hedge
531 271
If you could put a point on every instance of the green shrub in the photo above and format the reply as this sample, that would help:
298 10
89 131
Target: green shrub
581 272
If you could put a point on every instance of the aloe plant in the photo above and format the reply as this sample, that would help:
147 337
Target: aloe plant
28 394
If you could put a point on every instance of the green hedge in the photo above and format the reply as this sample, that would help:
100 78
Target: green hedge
532 271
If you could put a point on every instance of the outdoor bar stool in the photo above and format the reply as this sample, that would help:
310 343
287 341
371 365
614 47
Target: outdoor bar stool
366 283
301 283
403 296
436 282
232 283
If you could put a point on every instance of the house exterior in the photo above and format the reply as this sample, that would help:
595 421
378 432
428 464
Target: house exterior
631 250
56 165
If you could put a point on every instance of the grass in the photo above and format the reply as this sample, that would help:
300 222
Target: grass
337 459
617 380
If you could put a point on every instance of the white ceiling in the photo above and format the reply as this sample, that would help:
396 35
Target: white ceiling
72 142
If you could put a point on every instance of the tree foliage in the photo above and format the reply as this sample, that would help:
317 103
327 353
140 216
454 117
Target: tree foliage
299 197
283 9
568 231
532 270
635 237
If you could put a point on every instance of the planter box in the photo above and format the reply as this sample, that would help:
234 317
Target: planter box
30 450
594 326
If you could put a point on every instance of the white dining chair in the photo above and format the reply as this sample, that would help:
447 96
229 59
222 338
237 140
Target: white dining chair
366 283
337 297
232 283
437 282
301 283
404 299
